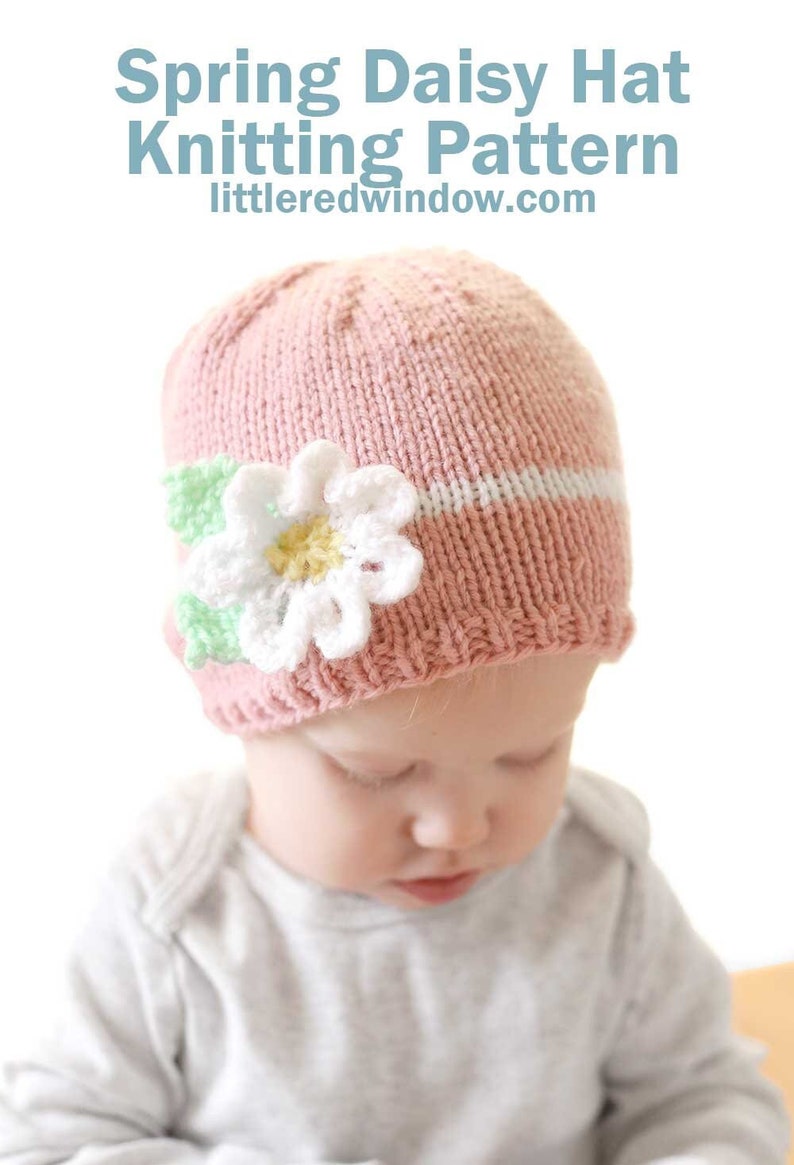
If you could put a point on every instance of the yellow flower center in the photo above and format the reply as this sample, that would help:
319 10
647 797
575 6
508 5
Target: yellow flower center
306 550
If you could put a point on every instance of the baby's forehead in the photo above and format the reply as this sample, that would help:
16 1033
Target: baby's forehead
406 709
537 695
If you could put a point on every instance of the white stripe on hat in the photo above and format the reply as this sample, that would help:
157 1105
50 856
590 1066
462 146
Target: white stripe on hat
528 484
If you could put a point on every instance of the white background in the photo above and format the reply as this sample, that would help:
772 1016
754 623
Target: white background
678 285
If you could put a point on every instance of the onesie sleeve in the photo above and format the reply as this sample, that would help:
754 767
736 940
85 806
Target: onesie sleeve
103 1085
682 1087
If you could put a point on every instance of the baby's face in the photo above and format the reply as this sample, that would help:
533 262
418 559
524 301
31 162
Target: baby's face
421 783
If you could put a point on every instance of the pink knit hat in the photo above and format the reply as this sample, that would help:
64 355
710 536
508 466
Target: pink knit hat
384 471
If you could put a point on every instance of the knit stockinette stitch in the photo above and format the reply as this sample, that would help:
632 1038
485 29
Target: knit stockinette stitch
451 370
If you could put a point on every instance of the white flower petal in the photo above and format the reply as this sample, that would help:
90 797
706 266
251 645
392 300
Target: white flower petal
310 470
275 632
250 500
380 490
222 570
341 619
398 559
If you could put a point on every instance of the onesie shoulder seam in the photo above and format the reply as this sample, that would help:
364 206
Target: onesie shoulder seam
180 844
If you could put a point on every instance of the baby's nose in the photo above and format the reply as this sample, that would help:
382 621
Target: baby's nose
455 825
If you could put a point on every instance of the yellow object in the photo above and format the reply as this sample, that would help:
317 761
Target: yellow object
306 550
763 1008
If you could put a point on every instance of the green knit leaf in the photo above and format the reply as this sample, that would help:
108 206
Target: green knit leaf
208 633
195 494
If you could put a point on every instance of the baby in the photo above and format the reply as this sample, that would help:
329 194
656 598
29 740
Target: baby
406 931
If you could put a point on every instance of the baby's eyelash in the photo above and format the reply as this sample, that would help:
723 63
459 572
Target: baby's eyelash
535 763
376 780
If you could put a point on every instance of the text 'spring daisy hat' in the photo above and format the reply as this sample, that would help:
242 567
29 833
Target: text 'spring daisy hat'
384 471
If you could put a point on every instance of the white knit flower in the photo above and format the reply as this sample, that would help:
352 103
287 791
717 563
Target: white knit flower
305 551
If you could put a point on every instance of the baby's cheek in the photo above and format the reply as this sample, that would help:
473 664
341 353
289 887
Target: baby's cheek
360 835
533 813
376 839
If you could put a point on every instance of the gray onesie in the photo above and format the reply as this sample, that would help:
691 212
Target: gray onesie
221 1010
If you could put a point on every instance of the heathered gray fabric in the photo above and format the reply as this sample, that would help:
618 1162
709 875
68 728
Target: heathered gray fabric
220 1010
